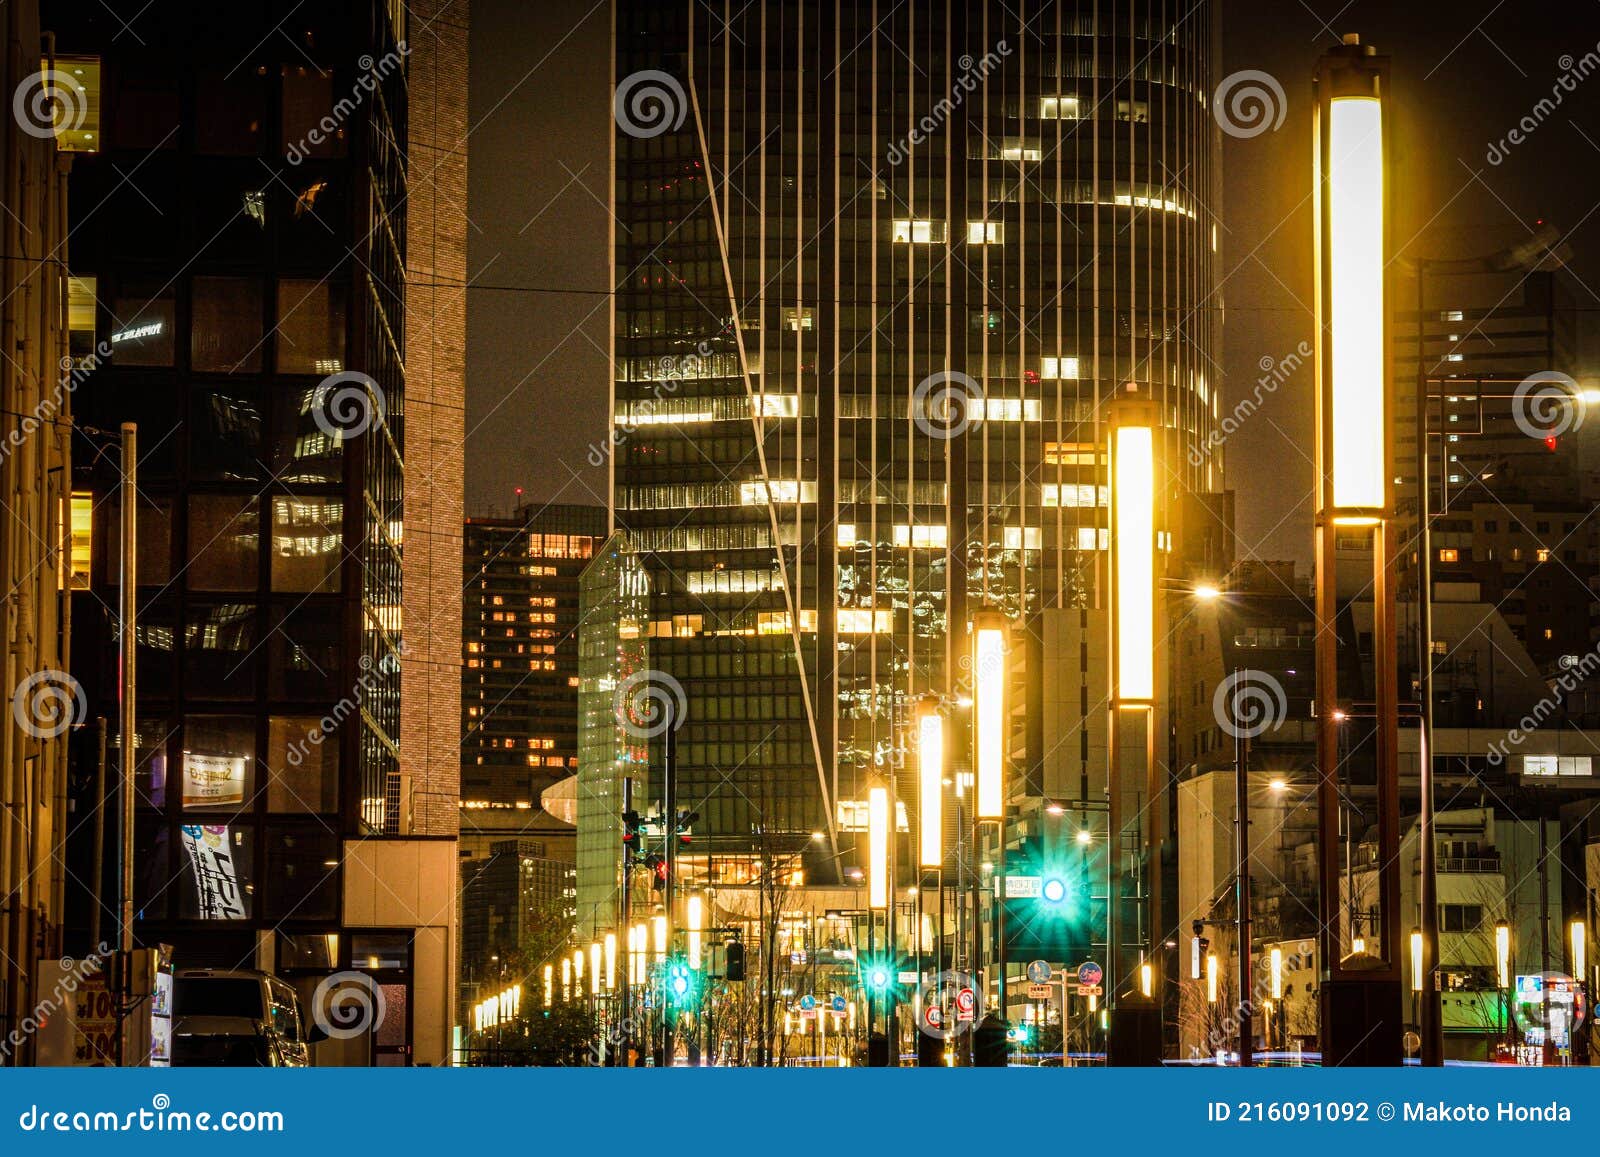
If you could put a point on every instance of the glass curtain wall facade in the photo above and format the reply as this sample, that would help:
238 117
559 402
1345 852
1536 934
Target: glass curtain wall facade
613 658
878 271
255 254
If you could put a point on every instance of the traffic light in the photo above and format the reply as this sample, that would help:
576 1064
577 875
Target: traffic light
733 960
657 863
878 975
631 825
1053 891
680 982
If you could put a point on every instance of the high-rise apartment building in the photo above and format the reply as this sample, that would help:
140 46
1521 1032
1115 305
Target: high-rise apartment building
519 678
273 250
878 272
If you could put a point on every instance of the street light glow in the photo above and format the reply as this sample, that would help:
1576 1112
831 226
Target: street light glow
989 679
878 848
1133 537
930 776
1502 953
1211 978
1205 592
1416 960
1275 962
1579 933
697 918
1053 890
659 924
1356 301
594 969
611 961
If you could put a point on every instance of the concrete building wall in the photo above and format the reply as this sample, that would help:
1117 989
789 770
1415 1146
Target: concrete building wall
435 352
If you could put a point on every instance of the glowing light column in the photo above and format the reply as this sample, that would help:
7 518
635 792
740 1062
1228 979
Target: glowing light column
1361 1018
1134 509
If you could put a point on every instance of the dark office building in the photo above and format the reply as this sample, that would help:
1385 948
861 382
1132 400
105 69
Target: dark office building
860 388
256 246
520 889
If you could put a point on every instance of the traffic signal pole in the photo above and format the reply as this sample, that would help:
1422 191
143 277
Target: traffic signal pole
669 827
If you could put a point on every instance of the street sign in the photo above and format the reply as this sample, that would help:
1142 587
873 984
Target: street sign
907 978
1039 971
1040 991
838 1005
808 1002
1088 990
966 1003
1090 974
1022 887
933 1017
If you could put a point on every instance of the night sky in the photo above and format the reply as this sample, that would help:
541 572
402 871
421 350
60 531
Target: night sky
1465 74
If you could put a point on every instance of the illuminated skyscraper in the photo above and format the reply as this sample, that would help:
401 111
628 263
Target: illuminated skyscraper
878 269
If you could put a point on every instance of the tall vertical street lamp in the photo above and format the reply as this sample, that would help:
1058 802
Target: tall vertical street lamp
1135 1029
1360 1009
930 825
1578 935
1502 973
990 646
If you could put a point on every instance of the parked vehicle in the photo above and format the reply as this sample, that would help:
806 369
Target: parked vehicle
233 1018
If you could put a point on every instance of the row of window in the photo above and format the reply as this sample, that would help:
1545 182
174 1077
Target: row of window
230 329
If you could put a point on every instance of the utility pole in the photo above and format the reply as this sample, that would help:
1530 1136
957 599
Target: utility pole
1241 886
128 580
1430 1020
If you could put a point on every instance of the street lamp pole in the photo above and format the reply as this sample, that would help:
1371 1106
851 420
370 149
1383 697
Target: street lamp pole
1361 1010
